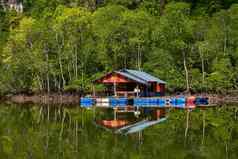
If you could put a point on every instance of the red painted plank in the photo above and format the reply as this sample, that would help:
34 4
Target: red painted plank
114 78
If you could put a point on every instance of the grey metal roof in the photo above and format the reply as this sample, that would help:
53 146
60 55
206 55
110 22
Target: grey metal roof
140 76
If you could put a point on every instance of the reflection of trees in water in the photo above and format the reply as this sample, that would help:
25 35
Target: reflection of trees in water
57 132
187 124
203 126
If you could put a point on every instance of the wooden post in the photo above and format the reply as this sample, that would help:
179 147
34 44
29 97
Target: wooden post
94 91
137 91
115 113
115 89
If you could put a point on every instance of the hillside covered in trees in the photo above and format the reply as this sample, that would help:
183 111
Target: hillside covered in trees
62 45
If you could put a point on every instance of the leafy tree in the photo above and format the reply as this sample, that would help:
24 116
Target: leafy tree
63 45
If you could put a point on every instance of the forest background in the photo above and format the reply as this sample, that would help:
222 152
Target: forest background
62 45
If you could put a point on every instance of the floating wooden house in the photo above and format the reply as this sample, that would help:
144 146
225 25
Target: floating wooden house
127 82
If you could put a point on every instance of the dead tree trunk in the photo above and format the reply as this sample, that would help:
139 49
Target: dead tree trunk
186 72
47 73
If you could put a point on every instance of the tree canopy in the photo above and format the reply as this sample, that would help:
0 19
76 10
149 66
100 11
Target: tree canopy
56 46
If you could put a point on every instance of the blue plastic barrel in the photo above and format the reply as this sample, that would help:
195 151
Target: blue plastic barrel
135 101
118 102
142 102
178 102
153 102
161 102
86 102
205 101
113 102
181 100
149 102
173 102
122 102
138 102
201 101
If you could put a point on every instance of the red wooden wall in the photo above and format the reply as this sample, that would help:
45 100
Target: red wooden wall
114 78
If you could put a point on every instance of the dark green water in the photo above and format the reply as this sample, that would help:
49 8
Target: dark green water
37 132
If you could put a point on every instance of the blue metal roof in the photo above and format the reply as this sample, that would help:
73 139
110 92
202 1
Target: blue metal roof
140 76
131 77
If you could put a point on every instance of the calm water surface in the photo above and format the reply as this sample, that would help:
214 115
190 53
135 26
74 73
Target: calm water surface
51 132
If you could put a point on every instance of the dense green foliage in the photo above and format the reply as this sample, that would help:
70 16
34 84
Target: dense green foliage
62 133
63 45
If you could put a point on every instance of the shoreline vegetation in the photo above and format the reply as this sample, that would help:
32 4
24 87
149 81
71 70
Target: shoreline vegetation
69 99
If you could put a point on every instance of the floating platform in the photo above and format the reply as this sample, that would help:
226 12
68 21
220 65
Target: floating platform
173 102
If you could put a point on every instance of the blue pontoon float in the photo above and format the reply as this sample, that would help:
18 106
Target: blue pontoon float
173 102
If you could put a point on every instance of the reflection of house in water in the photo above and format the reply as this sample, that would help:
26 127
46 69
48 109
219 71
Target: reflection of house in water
128 124
12 5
